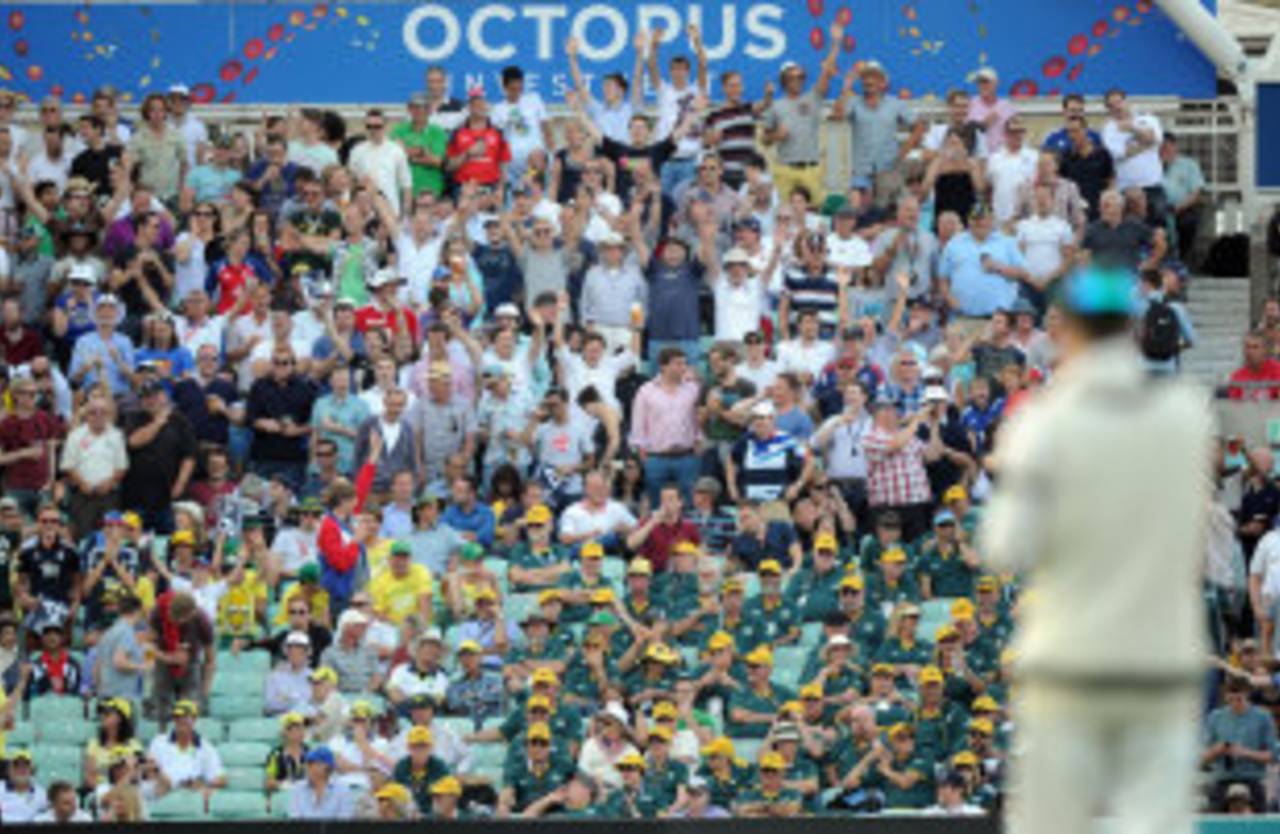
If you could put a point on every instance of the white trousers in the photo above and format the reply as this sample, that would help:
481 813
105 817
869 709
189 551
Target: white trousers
1084 753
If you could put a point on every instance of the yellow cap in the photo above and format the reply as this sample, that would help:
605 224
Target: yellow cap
791 708
965 758
470 646
132 519
984 703
718 747
602 596
773 761
324 673
931 674
185 709
550 595
660 732
632 759
419 735
982 725
769 566
544 675
363 709
761 655
538 702
662 653
120 753
811 692
22 755
120 705
591 550
962 609
486 594
854 581
664 710
955 493
182 537
732 585
538 514
640 566
987 583
901 729
894 555
448 786
825 541
882 669
945 633
538 732
394 792
683 547
292 719
720 640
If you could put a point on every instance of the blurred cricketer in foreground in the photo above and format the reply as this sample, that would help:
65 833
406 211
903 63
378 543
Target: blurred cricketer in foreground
1101 503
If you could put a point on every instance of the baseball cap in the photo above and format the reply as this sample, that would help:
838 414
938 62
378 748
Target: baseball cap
320 754
871 65
736 256
764 408
179 90
82 274
986 74
1099 291
297 638
507 309
419 735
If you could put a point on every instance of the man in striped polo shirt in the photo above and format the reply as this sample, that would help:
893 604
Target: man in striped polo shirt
766 464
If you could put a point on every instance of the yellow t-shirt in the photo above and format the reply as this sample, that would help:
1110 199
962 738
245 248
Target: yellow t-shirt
318 601
237 610
396 598
377 555
146 591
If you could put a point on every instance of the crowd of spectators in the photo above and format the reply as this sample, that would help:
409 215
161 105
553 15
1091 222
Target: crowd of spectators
490 463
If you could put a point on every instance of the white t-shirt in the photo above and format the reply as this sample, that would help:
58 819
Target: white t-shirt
1008 170
578 374
1266 564
672 105
296 547
761 377
580 520
387 165
521 123
189 275
738 308
194 134
179 766
797 357
94 457
1042 239
263 351
208 332
851 252
937 134
1142 170
416 264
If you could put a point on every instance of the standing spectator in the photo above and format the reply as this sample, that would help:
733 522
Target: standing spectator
957 121
1116 240
1010 167
274 176
28 443
896 456
664 425
478 152
766 464
424 144
1240 743
381 163
1133 140
522 118
47 572
159 151
208 399
1088 164
990 111
981 268
1065 200
102 355
1059 141
162 457
1165 328
675 281
120 660
1259 376
1183 184
876 119
279 411
562 448
730 128
444 425
793 123
614 113
677 99
398 450
903 247
1047 244
184 654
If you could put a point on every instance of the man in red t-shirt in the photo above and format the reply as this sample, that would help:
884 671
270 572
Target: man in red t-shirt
657 535
1257 369
382 311
478 152
26 445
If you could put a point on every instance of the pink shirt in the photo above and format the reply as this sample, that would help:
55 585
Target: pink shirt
978 112
665 421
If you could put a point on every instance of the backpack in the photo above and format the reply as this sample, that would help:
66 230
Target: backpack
1161 334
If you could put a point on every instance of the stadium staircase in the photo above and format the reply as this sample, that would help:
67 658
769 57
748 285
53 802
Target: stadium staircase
1219 309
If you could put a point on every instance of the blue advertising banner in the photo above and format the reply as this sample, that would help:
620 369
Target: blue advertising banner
366 52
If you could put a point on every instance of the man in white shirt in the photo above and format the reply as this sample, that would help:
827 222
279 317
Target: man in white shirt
522 117
676 98
383 162
53 162
1046 240
193 131
613 115
757 368
1133 140
1008 169
593 367
739 298
417 254
951 799
195 327
806 355
597 517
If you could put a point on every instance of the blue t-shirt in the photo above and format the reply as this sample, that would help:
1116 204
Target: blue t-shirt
979 292
673 301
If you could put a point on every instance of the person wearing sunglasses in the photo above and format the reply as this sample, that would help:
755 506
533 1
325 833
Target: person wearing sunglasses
382 163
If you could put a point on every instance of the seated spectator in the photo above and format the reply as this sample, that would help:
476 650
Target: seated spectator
285 762
350 657
318 796
187 760
1240 742
1259 376
288 688
22 799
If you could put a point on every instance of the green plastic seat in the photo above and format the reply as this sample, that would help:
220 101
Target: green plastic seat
254 729
788 663
934 614
614 570
64 732
51 709
245 778
237 682
810 635
278 805
244 753
490 756
243 663
178 806
23 734
234 707
212 729
238 805
747 749
518 605
56 762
